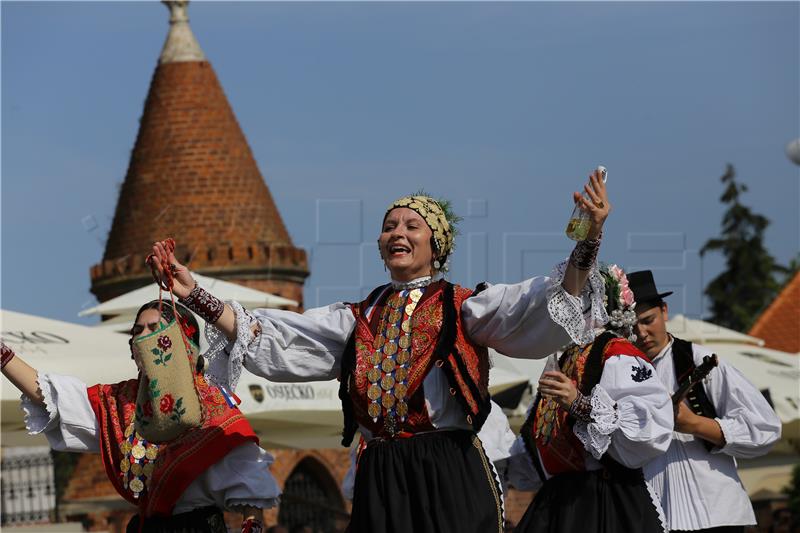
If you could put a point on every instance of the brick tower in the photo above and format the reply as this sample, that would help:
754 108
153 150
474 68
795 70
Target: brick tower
192 176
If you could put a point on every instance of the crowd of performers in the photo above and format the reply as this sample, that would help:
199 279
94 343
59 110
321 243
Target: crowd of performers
603 444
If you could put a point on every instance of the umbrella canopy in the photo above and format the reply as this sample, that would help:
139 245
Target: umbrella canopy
57 347
702 332
309 415
127 304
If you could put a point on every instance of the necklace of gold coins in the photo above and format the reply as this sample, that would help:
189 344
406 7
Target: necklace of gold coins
138 461
391 359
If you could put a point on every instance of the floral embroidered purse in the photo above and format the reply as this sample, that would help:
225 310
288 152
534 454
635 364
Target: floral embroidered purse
167 404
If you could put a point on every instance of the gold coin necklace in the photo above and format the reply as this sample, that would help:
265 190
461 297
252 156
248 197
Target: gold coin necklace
137 463
391 359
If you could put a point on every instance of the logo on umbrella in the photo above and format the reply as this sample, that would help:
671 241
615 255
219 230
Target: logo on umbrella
257 392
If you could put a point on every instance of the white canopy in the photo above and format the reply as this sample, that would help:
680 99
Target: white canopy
702 332
128 303
309 415
94 356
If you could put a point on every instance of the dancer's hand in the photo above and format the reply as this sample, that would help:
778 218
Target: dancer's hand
559 387
597 205
183 280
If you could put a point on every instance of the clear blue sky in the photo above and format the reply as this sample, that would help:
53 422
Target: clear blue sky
504 108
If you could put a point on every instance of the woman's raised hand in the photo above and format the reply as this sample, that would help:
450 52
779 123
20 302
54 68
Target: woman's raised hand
164 258
597 204
559 387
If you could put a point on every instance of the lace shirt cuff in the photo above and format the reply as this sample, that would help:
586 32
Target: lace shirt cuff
40 418
567 311
225 358
596 434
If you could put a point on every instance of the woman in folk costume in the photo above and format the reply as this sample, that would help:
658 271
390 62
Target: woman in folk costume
594 424
413 363
178 486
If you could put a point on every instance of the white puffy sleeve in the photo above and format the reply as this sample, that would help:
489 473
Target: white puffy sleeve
520 473
632 415
291 346
241 478
535 317
749 424
66 418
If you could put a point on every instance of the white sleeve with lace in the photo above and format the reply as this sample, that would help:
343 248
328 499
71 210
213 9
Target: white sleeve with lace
535 317
66 418
632 415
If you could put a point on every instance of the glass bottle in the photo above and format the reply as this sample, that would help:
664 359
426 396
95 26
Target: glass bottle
579 222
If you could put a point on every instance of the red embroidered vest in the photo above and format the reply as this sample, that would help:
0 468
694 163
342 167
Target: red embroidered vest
154 477
435 336
547 432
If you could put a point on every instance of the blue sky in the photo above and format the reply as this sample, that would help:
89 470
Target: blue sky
503 108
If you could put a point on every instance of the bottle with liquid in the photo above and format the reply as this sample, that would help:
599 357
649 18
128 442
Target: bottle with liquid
580 223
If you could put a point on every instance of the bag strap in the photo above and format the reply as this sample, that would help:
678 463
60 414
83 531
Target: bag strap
166 284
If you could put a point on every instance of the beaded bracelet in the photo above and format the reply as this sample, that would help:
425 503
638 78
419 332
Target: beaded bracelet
252 525
581 408
7 354
585 253
205 304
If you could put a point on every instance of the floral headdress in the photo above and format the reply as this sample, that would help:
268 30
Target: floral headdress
440 218
619 301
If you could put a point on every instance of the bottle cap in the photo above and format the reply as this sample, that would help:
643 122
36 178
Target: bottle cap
603 171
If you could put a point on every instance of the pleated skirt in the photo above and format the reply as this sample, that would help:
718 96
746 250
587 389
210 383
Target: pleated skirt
592 502
435 482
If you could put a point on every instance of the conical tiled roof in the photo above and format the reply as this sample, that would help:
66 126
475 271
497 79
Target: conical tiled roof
192 176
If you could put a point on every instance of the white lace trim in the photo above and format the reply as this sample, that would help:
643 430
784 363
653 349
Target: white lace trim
225 358
657 504
596 435
39 417
566 310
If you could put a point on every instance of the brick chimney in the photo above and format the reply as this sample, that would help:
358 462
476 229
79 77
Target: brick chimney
192 176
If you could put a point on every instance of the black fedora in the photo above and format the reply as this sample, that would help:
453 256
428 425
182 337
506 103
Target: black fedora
644 289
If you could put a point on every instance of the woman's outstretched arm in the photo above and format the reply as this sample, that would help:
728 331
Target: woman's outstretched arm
21 374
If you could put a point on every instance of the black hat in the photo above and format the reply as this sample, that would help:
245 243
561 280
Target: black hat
644 288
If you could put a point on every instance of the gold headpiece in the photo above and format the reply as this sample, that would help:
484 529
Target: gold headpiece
437 218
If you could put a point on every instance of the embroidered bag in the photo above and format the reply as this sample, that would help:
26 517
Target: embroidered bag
168 403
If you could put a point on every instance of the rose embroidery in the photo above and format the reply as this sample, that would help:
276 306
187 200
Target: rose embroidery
167 403
164 342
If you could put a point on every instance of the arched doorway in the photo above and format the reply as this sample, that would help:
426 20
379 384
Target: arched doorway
311 497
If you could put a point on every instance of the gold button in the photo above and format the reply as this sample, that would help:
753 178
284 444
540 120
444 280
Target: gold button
387 382
374 410
390 349
373 392
400 390
400 373
405 341
373 374
403 357
402 409
388 400
388 365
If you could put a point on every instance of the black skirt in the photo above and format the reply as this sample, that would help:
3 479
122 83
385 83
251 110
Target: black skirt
436 482
204 520
592 502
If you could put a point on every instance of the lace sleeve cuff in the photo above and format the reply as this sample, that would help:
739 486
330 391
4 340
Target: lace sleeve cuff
595 435
225 358
40 418
567 311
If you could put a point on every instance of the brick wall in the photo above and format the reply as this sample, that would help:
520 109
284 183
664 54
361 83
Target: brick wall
192 176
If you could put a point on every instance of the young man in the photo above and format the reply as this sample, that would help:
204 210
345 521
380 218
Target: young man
729 418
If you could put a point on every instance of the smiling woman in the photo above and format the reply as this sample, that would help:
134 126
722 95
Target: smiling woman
413 363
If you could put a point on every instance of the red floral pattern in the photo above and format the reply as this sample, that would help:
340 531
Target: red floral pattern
164 342
167 403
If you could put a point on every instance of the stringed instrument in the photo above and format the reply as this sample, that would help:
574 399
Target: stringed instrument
695 376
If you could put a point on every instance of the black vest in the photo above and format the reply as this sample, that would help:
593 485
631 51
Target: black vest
699 403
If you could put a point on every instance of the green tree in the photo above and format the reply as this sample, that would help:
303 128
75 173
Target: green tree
748 283
793 492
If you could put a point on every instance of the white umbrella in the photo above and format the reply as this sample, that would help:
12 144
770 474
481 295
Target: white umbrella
309 415
57 347
702 332
127 304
